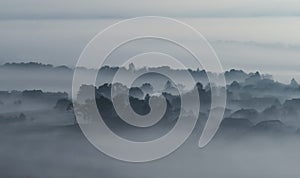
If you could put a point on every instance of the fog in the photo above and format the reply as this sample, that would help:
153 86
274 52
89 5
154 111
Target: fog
62 151
273 48
257 43
258 137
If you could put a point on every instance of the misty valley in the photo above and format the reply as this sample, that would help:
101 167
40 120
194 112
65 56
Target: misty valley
259 135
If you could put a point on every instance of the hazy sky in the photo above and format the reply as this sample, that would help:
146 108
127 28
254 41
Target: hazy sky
117 8
249 34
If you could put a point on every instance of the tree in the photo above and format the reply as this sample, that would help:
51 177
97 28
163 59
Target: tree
168 85
22 116
147 88
136 92
294 83
63 105
131 67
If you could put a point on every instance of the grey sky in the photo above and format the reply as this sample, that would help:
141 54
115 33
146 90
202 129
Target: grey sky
249 34
35 9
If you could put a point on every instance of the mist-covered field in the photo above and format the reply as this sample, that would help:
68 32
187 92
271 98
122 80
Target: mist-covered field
259 136
61 150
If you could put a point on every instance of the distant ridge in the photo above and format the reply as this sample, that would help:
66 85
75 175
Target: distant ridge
33 65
